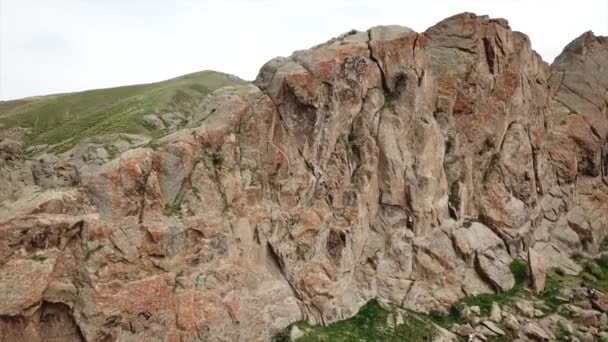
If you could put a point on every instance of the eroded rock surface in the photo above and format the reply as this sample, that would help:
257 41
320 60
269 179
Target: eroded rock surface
411 167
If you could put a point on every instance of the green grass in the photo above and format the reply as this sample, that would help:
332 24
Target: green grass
65 119
551 293
370 324
594 274
520 271
172 210
484 301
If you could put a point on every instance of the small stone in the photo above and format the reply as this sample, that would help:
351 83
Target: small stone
535 332
480 337
172 120
296 333
585 336
573 309
476 310
538 313
493 327
511 322
463 330
588 318
600 302
603 322
495 313
525 307
443 334
10 149
565 325
153 121
390 321
398 318
483 330
466 312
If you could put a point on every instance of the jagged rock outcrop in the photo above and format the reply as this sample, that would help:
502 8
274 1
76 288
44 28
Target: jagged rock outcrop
411 167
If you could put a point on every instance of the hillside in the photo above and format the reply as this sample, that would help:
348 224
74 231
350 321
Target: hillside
63 120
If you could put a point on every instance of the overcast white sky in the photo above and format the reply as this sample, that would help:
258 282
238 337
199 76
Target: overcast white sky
69 45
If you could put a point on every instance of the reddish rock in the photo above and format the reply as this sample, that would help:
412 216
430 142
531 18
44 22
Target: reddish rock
409 167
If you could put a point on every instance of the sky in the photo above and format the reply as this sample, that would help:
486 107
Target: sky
70 45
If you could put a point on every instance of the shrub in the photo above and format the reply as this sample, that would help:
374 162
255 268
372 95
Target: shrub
595 270
520 271
551 294
588 278
217 159
603 260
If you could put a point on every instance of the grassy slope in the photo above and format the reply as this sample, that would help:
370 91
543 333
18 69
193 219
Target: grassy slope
65 119
370 324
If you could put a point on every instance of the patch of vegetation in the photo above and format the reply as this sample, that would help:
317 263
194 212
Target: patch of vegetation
449 319
112 151
159 133
63 120
484 301
602 260
520 271
172 210
550 295
562 333
467 222
588 278
355 140
595 270
509 336
454 197
156 136
217 159
39 257
560 271
596 274
604 246
370 324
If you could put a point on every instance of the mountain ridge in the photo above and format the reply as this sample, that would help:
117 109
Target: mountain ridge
49 117
411 168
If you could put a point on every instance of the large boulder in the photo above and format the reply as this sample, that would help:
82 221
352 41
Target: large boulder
537 271
10 149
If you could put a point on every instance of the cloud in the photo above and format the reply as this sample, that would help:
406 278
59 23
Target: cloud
69 45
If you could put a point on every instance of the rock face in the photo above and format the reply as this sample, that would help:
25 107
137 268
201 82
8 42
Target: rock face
411 167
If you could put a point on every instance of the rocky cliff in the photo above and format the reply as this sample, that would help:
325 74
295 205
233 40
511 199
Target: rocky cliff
409 167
